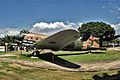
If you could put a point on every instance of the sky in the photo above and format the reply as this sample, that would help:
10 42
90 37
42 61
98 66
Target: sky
50 16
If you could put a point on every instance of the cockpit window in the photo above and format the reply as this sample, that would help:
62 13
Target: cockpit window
52 42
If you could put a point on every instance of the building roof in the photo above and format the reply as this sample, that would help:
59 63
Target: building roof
34 37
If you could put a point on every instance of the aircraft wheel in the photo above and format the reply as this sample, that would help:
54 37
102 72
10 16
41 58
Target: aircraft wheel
36 53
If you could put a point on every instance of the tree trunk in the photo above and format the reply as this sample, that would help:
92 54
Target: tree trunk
101 41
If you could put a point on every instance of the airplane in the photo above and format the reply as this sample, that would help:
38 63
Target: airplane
58 41
67 40
92 43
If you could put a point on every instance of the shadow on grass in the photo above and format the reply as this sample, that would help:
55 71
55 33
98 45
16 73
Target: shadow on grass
54 58
80 53
107 77
98 52
50 57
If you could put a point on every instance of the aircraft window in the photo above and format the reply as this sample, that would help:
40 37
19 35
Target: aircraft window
52 42
31 37
36 38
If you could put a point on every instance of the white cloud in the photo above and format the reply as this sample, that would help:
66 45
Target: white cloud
117 28
103 7
118 17
118 8
50 28
8 31
111 11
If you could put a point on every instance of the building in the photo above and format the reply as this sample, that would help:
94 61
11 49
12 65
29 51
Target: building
31 38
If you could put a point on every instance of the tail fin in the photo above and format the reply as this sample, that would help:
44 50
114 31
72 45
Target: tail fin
92 42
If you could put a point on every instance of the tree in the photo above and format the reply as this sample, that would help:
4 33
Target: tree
11 39
97 29
8 39
24 31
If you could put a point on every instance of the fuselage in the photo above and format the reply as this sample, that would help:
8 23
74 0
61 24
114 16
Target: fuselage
82 45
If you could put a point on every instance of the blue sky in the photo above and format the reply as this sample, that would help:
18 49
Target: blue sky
26 13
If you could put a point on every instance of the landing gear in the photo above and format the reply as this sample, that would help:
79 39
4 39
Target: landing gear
36 53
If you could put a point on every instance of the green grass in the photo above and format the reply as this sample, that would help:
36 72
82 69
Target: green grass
80 57
15 52
12 52
1 53
15 72
102 56
22 57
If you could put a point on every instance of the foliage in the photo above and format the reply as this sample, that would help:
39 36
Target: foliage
24 31
7 39
11 39
116 40
97 29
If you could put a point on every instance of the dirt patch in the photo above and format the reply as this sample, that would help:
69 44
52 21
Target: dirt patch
100 66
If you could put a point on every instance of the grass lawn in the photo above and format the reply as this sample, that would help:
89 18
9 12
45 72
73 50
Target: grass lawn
12 71
74 56
15 52
1 53
93 57
20 56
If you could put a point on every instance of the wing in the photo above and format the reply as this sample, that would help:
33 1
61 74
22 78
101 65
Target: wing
59 40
